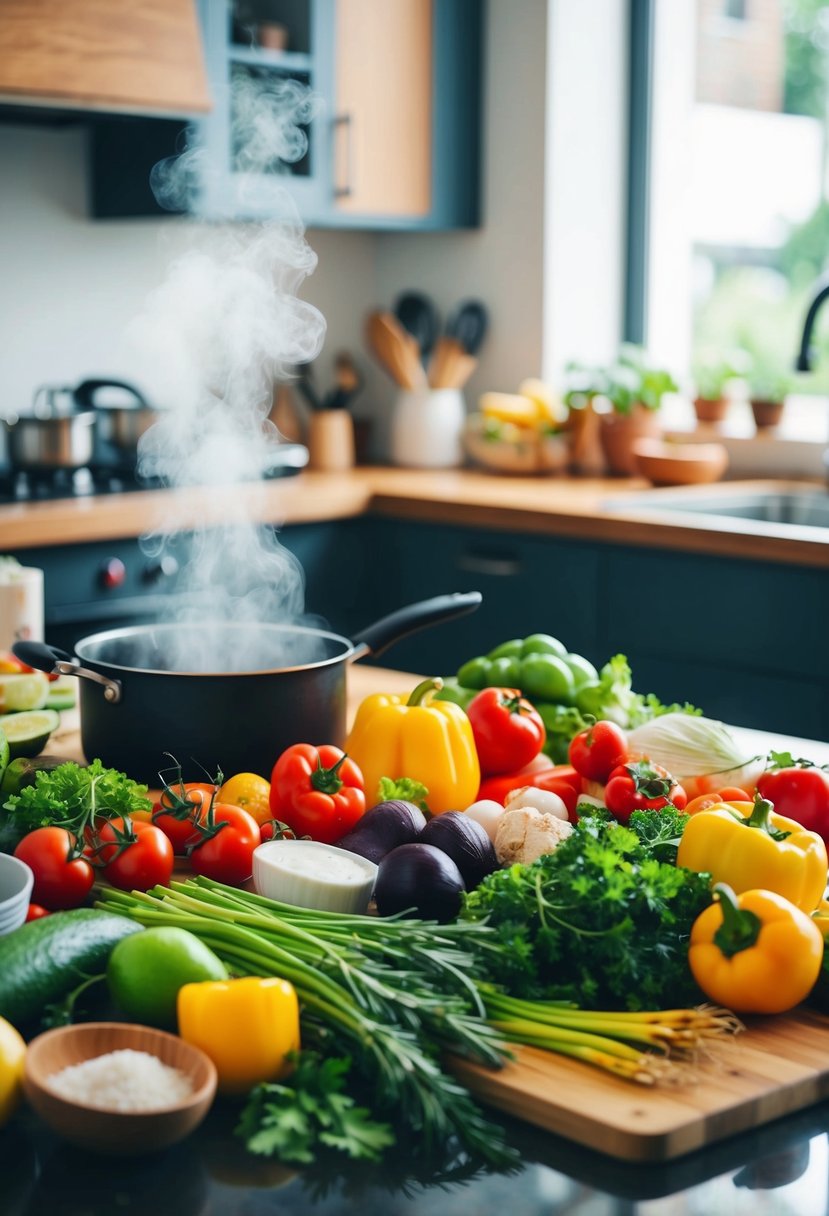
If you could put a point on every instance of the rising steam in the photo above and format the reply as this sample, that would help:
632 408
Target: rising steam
214 336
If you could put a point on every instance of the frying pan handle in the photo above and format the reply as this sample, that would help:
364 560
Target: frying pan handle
378 637
51 660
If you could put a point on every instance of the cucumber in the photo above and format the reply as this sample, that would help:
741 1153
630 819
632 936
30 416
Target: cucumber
41 962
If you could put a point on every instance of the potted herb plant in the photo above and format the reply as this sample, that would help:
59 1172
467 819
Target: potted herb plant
768 389
633 390
712 376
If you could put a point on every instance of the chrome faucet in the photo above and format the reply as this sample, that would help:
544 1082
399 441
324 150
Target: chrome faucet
804 358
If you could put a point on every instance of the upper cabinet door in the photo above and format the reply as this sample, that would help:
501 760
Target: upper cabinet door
383 121
132 56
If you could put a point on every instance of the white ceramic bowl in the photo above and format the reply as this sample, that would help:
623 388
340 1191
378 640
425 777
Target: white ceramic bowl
313 875
16 882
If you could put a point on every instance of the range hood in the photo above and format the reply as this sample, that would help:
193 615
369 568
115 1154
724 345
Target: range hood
112 56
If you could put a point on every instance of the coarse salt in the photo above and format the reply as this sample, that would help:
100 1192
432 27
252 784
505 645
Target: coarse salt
122 1081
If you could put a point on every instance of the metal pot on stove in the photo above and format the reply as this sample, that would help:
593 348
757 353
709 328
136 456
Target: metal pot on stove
122 421
56 435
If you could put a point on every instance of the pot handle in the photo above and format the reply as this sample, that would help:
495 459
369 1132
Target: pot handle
384 633
87 391
51 660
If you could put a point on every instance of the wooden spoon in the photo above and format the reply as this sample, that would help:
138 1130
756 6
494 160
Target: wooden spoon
395 349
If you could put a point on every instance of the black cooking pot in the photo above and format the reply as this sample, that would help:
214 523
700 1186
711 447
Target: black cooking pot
136 705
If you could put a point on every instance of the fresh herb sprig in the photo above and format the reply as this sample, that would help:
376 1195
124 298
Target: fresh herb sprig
310 1112
601 922
72 796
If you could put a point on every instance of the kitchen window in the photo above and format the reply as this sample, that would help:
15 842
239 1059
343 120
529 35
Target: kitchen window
732 153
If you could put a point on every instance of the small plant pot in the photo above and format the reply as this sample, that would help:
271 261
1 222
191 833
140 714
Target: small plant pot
767 414
618 433
710 409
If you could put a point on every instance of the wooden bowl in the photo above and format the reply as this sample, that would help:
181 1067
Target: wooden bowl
116 1133
679 464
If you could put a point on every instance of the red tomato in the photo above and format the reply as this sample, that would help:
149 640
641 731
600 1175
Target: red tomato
801 794
318 792
641 786
227 854
62 879
180 807
508 730
144 863
596 751
35 912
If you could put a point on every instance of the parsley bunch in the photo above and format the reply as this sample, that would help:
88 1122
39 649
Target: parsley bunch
311 1112
73 797
601 922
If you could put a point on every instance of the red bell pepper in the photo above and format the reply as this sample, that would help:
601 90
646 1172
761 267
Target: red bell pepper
508 730
317 791
561 779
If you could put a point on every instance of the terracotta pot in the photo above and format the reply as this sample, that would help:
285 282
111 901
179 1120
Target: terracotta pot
586 455
617 433
766 413
709 409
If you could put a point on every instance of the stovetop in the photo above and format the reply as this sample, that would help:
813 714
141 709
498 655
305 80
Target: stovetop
19 485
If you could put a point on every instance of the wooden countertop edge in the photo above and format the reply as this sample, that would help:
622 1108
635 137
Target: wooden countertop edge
566 507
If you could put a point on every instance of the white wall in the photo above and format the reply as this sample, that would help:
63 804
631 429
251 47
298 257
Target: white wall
71 284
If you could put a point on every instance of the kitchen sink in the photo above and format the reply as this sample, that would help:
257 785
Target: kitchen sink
762 510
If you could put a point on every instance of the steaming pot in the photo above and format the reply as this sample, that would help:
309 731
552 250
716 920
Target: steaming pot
136 711
123 424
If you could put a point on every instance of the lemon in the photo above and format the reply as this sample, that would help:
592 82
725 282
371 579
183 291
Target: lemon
27 732
12 1055
146 970
24 690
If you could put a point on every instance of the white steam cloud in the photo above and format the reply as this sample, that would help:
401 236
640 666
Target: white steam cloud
213 337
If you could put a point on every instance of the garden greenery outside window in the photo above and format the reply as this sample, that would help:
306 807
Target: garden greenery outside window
738 201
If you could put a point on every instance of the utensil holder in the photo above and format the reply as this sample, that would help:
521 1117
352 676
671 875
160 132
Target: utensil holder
426 428
331 441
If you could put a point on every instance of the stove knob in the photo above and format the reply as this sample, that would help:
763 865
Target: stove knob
165 567
113 574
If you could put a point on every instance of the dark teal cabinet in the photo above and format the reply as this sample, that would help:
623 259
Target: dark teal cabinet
345 178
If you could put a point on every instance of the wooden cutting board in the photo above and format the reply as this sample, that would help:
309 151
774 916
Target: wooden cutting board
776 1066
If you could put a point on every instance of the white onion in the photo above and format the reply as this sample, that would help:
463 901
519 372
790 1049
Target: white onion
544 801
488 814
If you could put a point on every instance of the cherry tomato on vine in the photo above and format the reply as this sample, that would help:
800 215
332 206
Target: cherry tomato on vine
36 912
507 728
228 837
179 808
139 863
641 786
63 878
597 750
729 793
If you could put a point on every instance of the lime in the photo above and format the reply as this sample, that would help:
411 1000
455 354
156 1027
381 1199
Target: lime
28 732
4 754
583 670
62 693
27 690
146 970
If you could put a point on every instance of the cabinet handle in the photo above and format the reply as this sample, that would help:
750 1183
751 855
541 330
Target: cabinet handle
496 567
343 121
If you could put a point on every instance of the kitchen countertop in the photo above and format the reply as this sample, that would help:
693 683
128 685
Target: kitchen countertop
553 506
210 1174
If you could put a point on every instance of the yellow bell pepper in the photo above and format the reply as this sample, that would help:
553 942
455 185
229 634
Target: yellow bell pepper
427 740
748 846
246 1026
756 953
12 1056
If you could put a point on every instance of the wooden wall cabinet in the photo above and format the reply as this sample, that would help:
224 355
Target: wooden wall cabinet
394 142
139 56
